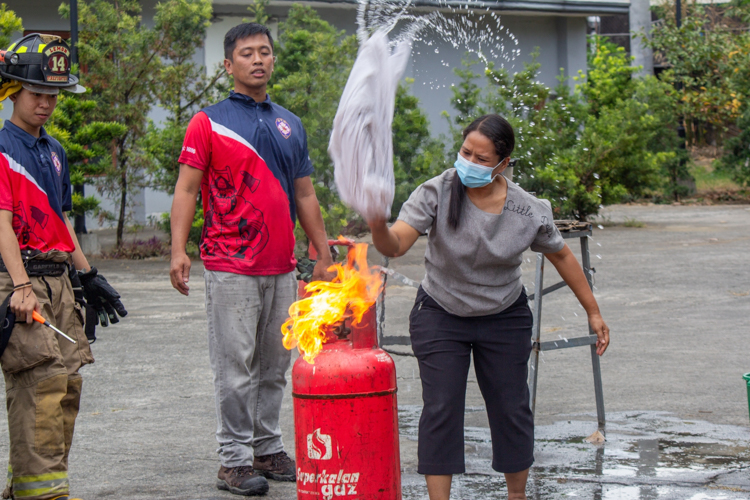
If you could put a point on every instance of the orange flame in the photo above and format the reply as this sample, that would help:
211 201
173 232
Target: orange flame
351 293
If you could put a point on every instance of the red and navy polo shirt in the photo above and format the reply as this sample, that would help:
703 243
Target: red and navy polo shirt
35 186
250 153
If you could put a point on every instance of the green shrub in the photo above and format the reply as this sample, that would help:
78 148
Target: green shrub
736 159
194 236
610 138
139 249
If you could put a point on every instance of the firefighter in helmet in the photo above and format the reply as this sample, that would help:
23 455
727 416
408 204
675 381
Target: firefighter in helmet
43 272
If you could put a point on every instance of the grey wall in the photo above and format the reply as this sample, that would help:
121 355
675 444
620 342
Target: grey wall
561 41
640 24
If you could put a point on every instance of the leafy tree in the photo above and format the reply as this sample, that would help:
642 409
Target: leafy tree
258 12
648 109
736 158
466 99
9 24
88 144
608 77
709 59
417 156
704 56
314 60
127 68
184 87
736 154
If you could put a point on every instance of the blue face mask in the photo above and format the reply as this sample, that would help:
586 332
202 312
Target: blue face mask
472 174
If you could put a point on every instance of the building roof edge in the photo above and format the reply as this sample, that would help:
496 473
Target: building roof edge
581 7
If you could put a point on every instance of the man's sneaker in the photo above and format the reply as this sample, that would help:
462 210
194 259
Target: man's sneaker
241 480
278 467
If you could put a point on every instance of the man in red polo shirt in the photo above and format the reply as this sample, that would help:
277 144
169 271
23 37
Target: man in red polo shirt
248 157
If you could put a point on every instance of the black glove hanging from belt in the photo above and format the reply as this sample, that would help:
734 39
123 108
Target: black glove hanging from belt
91 318
101 298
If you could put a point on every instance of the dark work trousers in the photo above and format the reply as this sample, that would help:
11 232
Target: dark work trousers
501 345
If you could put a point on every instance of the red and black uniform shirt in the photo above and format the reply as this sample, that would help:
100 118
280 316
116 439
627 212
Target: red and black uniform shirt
250 154
35 186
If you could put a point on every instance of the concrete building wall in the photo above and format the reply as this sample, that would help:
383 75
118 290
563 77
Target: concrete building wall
571 43
561 42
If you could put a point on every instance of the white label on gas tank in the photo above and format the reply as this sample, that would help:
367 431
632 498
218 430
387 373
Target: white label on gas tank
331 485
319 446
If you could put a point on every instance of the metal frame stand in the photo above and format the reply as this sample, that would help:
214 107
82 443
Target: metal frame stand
589 340
384 339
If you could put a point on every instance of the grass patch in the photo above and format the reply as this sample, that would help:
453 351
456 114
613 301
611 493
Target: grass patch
707 179
633 223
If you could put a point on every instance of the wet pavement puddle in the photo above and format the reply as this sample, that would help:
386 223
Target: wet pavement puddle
647 456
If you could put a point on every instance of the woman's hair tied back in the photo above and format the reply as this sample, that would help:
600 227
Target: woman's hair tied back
498 130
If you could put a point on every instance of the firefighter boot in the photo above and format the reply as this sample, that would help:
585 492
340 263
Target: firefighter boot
241 480
278 467
65 497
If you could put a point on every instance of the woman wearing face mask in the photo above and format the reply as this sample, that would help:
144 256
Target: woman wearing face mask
472 301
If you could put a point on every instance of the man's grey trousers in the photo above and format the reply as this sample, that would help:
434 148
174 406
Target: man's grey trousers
245 314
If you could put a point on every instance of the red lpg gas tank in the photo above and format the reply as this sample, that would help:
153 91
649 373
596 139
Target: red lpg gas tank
346 420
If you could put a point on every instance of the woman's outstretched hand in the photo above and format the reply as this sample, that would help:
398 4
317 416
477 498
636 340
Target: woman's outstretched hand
601 330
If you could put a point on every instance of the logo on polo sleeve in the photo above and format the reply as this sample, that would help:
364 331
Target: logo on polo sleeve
284 128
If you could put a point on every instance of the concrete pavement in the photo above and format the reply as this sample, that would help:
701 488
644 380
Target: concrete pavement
675 293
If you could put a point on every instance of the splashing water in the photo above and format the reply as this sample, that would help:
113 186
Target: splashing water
470 27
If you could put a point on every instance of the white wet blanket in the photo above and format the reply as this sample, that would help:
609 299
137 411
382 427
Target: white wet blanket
361 141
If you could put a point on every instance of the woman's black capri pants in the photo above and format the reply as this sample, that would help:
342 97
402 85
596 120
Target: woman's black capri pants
501 344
